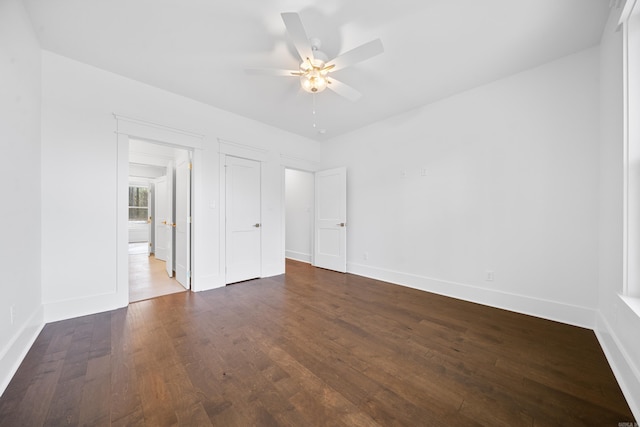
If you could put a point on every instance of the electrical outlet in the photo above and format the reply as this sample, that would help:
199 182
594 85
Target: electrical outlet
365 256
423 172
489 276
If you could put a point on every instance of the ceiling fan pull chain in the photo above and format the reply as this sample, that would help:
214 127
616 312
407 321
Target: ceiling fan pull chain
313 96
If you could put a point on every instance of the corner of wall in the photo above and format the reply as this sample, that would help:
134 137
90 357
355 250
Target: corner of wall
622 365
14 352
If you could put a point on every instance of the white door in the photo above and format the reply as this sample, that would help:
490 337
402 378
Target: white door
330 247
152 218
243 227
160 222
183 222
170 220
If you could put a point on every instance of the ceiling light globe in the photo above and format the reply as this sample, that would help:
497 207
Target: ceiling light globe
313 83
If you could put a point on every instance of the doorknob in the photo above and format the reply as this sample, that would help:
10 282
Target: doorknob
164 222
257 225
342 224
173 225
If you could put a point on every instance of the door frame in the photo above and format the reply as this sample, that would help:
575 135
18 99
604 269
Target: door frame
127 128
187 161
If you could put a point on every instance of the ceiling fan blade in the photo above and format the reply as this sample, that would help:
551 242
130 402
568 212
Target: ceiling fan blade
344 90
271 72
298 35
358 54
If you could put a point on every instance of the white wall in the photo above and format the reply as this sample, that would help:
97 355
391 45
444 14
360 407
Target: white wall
138 232
78 139
502 178
20 102
618 327
299 201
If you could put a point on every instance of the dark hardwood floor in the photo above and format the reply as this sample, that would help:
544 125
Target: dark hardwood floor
313 347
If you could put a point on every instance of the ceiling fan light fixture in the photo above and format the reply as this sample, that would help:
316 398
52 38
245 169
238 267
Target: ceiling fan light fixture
316 66
313 73
314 80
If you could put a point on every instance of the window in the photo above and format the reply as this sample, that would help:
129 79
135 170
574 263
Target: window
631 70
138 204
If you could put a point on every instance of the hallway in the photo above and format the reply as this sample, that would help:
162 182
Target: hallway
147 275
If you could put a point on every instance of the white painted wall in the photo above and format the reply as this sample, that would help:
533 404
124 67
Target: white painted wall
618 327
138 232
145 171
78 140
502 178
20 101
299 201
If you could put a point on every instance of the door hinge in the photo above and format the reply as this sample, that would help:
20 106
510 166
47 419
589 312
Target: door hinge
190 166
188 220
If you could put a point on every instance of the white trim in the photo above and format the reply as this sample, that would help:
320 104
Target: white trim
77 307
627 11
293 162
632 302
298 256
222 203
156 132
241 145
14 352
122 224
551 310
283 217
244 151
625 166
631 154
625 370
207 283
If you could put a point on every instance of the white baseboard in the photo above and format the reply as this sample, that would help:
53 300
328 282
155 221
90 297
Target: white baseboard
298 256
69 309
207 283
16 349
272 269
625 369
551 310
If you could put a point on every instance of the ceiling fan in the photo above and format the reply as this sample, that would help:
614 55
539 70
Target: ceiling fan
315 69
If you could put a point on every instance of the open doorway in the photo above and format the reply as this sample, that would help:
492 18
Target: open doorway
157 230
316 217
299 215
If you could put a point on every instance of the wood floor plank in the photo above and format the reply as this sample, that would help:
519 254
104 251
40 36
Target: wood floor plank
312 347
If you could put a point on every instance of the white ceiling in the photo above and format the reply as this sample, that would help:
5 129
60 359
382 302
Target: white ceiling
200 49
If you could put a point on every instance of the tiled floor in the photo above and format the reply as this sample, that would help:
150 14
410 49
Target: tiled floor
147 275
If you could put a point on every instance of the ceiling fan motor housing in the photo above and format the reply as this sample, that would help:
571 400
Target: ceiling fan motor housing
314 74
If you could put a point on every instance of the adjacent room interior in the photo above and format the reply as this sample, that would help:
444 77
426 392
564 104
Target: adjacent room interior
151 220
